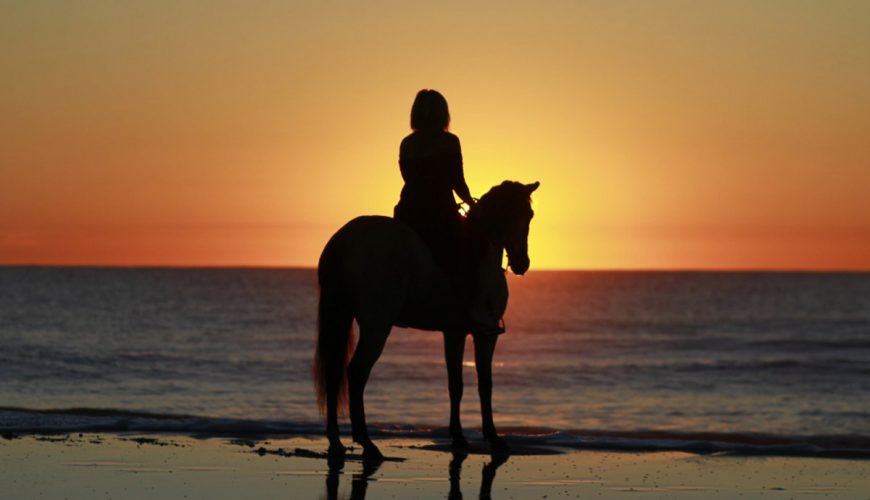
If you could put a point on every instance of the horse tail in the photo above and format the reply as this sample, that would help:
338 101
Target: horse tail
334 333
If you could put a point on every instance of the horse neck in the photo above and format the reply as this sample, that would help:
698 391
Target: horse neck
479 237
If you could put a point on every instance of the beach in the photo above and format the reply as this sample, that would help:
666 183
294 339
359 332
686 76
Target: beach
132 465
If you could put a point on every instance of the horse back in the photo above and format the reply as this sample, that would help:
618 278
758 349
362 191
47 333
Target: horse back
387 271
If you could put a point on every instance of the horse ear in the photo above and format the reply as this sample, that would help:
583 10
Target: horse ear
532 187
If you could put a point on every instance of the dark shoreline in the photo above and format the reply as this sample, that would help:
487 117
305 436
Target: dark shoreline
15 422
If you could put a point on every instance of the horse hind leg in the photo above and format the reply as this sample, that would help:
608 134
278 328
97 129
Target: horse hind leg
454 349
372 337
335 334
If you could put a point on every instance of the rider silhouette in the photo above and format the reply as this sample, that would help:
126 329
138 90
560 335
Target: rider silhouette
430 159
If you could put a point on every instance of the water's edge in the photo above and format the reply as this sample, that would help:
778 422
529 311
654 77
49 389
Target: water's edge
15 422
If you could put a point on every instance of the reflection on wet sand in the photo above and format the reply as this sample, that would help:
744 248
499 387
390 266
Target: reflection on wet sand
359 481
487 475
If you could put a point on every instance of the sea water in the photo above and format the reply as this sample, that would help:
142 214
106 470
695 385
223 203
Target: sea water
585 353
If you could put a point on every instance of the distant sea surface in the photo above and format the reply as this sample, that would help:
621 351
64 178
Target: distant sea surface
733 354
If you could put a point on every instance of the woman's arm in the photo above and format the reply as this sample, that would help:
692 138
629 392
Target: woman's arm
461 188
459 184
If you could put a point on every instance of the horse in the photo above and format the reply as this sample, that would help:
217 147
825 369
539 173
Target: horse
377 271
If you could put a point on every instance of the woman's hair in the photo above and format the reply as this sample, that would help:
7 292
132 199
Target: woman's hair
429 111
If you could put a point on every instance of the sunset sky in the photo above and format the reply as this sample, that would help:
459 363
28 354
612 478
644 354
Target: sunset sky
675 135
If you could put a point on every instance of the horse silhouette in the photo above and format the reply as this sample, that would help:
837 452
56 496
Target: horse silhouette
379 272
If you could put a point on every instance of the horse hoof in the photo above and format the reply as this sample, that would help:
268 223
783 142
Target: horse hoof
371 453
497 444
336 449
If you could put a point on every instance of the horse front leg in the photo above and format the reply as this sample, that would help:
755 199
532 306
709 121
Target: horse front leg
484 347
454 351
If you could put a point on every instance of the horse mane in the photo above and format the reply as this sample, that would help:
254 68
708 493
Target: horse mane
499 203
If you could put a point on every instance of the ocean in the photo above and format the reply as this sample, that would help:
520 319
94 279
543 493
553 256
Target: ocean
710 359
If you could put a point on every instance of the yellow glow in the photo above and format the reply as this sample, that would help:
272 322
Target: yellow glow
665 135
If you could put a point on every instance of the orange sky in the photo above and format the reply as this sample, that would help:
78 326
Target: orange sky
665 134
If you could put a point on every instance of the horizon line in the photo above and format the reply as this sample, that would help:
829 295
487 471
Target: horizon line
545 269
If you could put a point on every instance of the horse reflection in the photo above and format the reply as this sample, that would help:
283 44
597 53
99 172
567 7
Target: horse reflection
359 482
488 474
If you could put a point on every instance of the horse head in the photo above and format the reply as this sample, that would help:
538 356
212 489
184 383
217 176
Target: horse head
503 215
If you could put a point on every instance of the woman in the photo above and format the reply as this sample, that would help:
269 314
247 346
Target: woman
431 163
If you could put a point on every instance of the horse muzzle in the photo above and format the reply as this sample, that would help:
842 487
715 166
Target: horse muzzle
519 266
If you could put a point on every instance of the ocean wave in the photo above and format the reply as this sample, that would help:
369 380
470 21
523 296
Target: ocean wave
26 421
53 421
811 345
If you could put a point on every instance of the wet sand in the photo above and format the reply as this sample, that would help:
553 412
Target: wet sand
166 466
